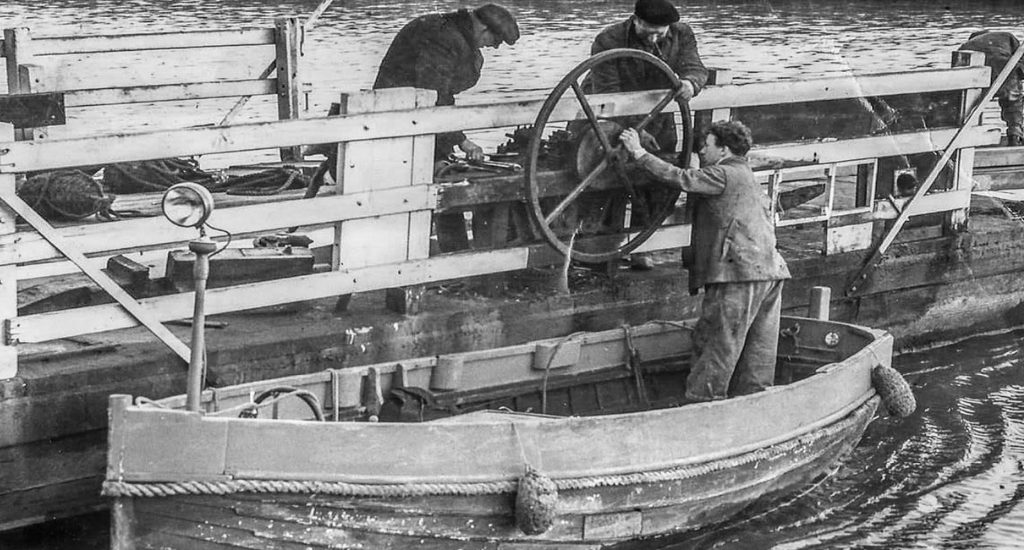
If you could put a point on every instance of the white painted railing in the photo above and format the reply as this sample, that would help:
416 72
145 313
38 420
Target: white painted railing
383 203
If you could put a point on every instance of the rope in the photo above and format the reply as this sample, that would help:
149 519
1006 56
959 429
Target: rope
547 370
66 194
281 393
340 488
635 365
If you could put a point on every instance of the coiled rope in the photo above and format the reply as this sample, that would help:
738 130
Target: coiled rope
66 194
341 488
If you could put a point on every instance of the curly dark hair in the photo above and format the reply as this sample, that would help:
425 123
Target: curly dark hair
732 134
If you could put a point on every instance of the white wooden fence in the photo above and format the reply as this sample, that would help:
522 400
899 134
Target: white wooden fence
383 203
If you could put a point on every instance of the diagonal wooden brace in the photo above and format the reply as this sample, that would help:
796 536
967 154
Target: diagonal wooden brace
130 305
954 144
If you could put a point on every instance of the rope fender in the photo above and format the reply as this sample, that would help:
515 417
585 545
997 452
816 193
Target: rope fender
341 488
894 389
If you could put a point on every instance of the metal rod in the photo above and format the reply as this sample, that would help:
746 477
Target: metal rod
202 248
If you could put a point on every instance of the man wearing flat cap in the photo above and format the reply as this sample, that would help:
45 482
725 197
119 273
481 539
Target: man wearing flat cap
654 28
441 52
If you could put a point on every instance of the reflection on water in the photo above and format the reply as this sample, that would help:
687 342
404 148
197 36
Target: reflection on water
952 476
759 40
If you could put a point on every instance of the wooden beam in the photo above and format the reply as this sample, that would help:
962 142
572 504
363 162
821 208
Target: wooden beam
129 305
8 274
48 326
269 135
841 87
152 67
62 45
170 92
141 233
287 65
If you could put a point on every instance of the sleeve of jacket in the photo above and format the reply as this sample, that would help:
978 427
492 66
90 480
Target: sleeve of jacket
687 63
705 181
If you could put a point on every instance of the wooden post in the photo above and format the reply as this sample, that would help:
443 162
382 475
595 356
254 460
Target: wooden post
378 164
288 87
17 51
703 119
8 273
963 161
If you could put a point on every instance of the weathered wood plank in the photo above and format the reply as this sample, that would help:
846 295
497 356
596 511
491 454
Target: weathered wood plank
8 273
48 326
142 233
170 92
55 45
268 135
150 67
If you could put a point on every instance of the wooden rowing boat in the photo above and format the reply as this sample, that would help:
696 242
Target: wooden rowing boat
579 441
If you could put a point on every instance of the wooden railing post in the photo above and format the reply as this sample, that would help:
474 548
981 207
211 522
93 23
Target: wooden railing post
963 161
17 52
8 273
703 119
288 40
367 165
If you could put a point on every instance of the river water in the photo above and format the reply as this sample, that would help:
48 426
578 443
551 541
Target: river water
951 476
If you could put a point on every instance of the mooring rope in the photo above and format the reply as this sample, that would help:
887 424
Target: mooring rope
341 488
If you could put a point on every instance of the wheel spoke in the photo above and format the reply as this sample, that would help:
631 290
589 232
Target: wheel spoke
609 157
576 192
657 109
601 138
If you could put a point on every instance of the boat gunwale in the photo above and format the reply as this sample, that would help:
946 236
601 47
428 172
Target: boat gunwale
502 468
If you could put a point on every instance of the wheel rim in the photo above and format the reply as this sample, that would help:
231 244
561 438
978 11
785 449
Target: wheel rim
615 246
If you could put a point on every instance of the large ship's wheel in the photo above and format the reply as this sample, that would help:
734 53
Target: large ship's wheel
601 166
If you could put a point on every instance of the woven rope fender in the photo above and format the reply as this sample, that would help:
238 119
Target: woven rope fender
895 391
65 195
536 500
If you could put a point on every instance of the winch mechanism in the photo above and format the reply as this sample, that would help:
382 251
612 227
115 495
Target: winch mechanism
610 206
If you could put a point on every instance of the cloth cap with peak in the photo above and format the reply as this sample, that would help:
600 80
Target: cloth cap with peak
656 12
499 21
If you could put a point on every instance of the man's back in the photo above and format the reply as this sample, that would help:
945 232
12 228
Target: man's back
434 52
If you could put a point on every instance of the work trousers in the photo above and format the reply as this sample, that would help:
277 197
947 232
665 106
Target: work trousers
1011 105
735 340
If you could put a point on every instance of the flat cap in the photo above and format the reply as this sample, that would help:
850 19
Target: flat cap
499 21
656 12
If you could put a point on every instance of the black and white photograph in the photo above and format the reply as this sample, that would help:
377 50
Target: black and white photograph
511 275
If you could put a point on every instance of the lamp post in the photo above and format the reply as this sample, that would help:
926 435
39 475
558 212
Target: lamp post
189 205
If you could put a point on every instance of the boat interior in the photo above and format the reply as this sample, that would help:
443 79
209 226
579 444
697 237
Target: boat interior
585 374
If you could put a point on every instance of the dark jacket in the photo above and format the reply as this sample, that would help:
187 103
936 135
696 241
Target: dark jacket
998 46
434 52
678 50
733 239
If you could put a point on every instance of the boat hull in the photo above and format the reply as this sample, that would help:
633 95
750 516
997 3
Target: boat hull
597 513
